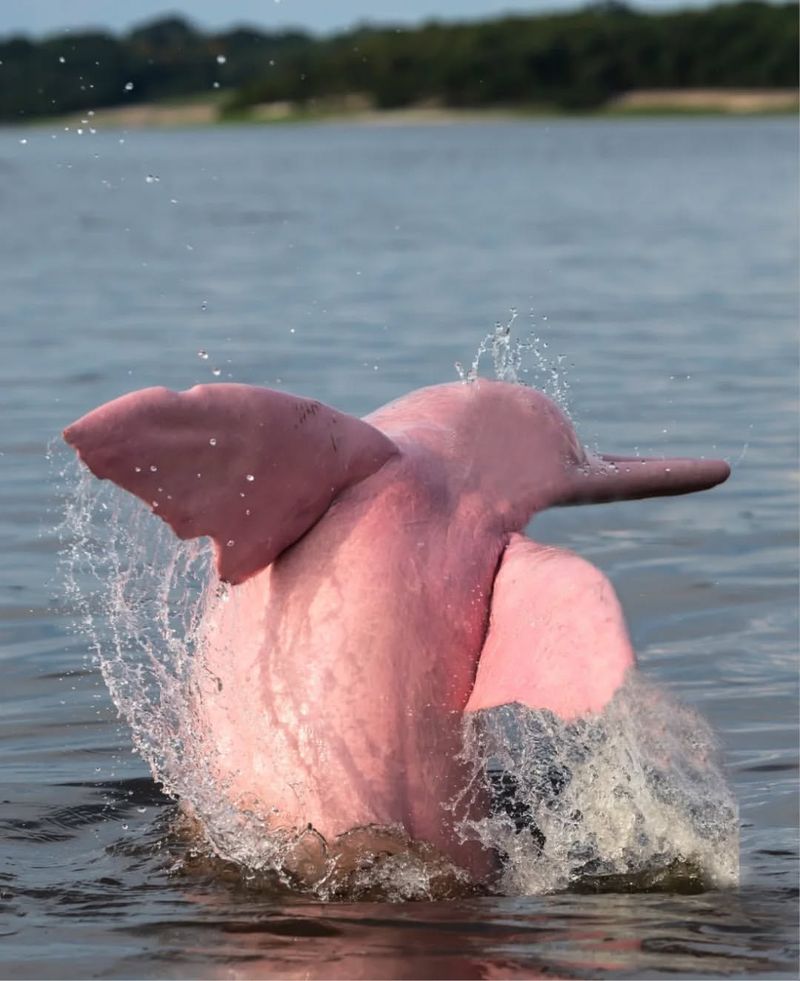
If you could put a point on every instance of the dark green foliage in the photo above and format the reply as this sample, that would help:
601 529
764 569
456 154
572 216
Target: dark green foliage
165 59
570 61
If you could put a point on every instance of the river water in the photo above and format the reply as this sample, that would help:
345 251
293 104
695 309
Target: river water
656 264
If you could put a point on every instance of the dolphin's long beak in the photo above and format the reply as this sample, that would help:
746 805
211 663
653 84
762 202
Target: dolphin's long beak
623 478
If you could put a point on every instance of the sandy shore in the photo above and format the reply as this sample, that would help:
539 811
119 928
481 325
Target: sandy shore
151 115
742 101
205 112
367 116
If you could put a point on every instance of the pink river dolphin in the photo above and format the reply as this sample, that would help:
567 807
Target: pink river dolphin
382 586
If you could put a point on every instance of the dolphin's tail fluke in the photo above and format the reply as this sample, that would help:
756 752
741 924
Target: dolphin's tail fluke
252 468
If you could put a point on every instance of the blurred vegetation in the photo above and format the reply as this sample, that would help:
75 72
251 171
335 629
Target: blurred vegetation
567 61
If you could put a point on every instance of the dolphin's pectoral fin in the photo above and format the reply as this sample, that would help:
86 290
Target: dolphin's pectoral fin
252 468
557 638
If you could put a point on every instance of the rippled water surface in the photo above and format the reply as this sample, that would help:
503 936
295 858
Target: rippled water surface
656 260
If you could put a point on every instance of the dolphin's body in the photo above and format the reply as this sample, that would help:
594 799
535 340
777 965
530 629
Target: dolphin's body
383 587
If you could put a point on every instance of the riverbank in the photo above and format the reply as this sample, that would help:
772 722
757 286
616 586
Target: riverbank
203 111
713 101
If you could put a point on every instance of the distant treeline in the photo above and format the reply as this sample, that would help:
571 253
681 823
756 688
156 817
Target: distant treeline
570 61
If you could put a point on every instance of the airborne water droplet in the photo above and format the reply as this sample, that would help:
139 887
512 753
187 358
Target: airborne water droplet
250 477
213 441
128 86
221 59
202 354
153 468
150 179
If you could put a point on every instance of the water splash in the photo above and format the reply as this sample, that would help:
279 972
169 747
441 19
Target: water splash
140 596
632 799
524 360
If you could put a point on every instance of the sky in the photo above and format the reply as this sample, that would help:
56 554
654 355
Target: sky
38 17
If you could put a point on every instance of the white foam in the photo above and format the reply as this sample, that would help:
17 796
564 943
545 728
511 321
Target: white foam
629 799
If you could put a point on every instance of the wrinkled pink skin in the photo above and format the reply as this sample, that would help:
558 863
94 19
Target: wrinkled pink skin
383 587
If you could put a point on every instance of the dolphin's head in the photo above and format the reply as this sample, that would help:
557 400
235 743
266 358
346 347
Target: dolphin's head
519 450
